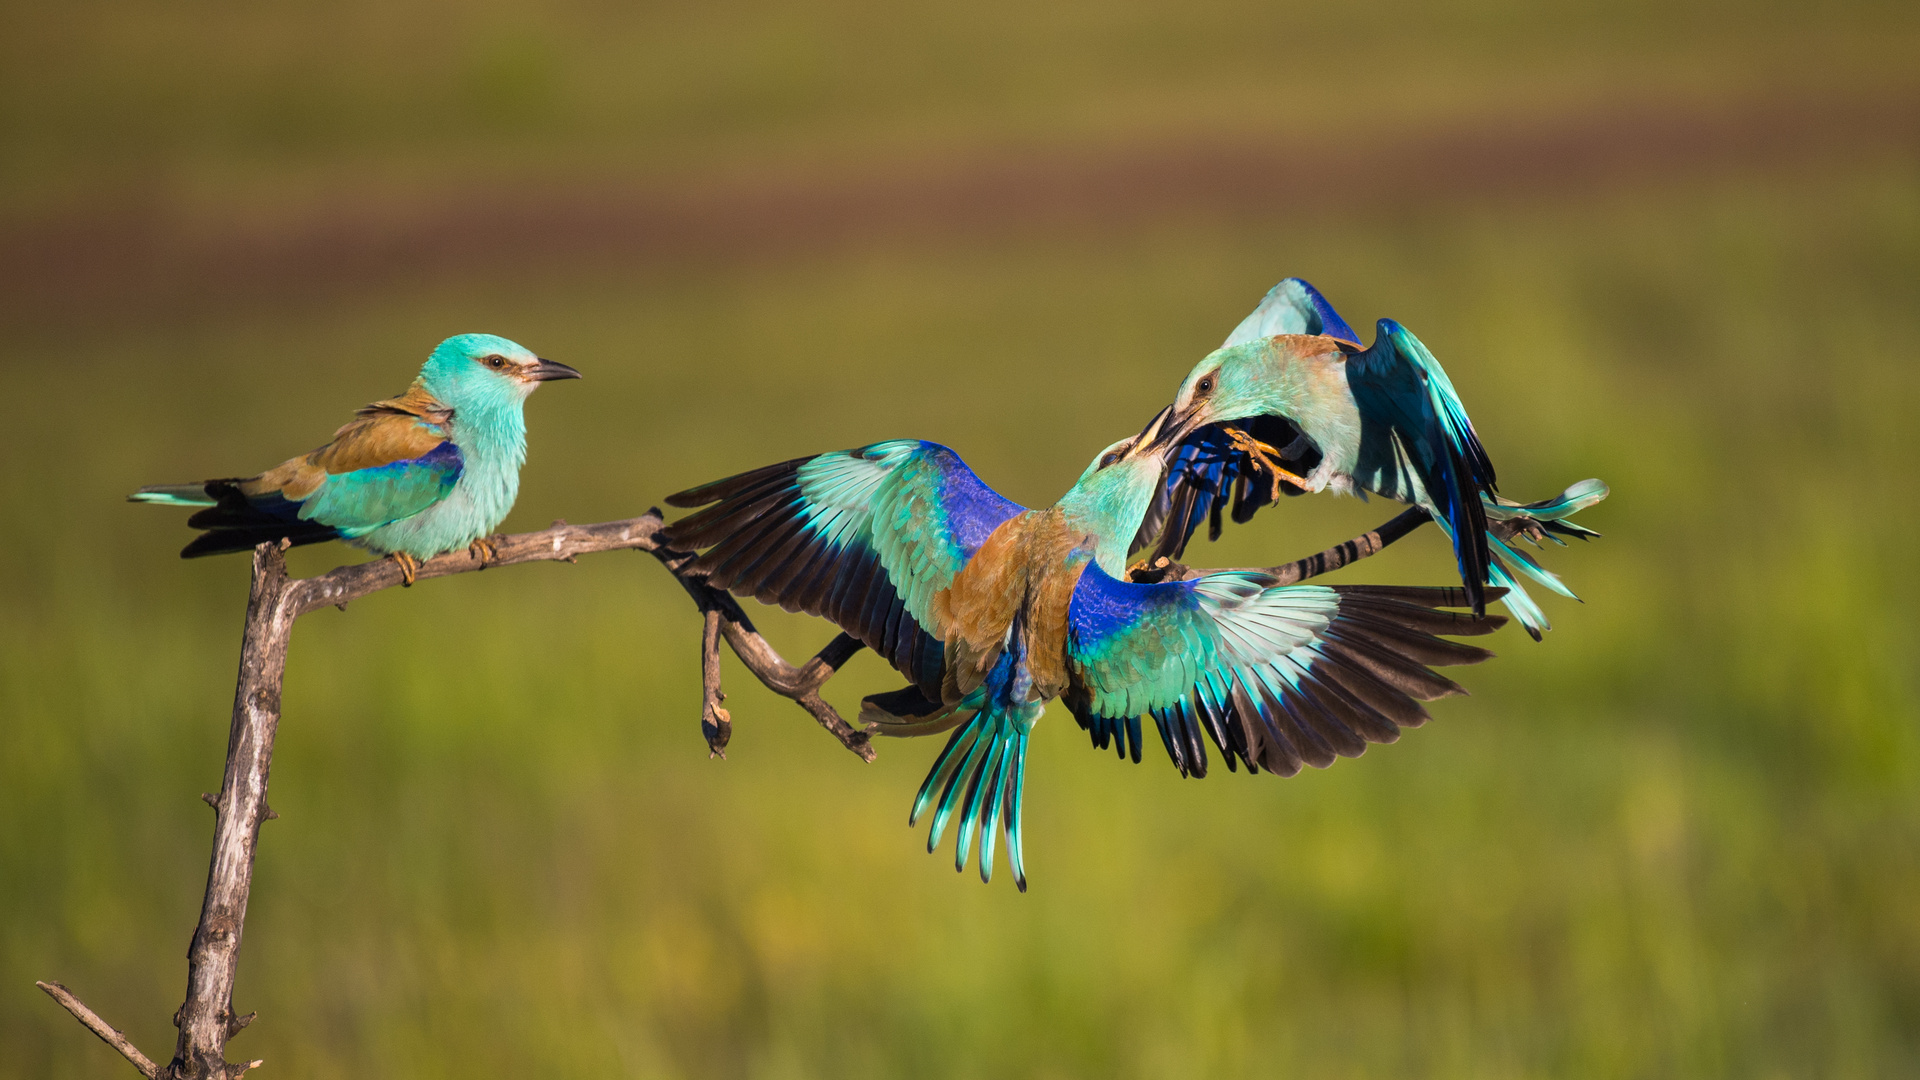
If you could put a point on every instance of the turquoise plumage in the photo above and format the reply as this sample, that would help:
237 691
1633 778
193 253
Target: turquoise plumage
991 610
432 470
1293 398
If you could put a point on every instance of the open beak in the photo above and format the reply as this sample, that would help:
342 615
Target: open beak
549 370
1166 430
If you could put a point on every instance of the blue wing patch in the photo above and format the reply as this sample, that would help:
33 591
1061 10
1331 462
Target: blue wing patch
861 537
1277 676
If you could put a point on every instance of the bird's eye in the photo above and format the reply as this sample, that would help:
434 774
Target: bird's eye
1109 459
1204 386
496 362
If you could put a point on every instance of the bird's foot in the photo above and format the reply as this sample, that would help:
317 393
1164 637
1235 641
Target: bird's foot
1158 570
1519 528
485 550
716 724
409 566
1266 457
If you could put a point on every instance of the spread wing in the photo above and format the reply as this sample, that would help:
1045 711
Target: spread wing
393 460
1292 307
1417 446
1276 675
1416 440
864 538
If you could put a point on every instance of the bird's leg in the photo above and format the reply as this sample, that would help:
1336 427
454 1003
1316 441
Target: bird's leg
1267 457
409 566
484 550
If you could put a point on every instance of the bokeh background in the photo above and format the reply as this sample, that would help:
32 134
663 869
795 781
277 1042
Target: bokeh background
1674 245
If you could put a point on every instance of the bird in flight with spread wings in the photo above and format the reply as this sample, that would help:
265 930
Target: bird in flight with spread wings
1293 403
991 610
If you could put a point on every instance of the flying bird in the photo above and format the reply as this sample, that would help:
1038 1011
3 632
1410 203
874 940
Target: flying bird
1293 403
432 470
991 610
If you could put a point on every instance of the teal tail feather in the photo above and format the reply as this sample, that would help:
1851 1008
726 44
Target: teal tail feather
1547 518
1550 514
1524 610
174 495
981 773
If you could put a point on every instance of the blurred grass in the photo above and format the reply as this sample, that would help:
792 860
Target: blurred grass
237 107
1679 838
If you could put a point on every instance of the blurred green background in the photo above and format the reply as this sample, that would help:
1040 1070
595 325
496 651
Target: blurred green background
1676 246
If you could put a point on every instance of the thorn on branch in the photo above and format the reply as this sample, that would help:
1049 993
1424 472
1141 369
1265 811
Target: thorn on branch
210 799
270 815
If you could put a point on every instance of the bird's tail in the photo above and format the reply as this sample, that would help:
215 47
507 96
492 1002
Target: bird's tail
174 495
980 773
1550 514
1548 519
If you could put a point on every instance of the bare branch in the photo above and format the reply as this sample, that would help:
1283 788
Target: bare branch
109 1034
206 1019
561 543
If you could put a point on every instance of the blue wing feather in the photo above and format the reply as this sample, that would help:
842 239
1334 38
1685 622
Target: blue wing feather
360 501
1275 675
344 505
862 537
1292 307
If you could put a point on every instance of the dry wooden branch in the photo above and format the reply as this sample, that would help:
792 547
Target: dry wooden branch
109 1034
206 1019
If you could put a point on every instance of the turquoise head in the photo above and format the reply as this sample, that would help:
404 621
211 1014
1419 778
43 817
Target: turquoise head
1113 494
485 373
1281 375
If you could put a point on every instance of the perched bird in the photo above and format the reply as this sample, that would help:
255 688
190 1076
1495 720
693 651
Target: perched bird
434 469
1292 399
992 610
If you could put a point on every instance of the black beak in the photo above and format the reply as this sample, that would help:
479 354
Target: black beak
549 370
1166 431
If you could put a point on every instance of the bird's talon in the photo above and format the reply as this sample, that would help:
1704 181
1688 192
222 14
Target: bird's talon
484 551
1266 457
409 566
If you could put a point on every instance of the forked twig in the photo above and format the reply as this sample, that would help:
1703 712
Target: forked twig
206 1019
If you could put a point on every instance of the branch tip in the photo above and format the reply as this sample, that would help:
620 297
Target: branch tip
108 1034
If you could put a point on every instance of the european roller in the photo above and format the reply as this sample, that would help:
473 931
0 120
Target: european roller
992 610
1293 397
432 470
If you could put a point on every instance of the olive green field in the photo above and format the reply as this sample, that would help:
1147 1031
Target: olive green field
1678 838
